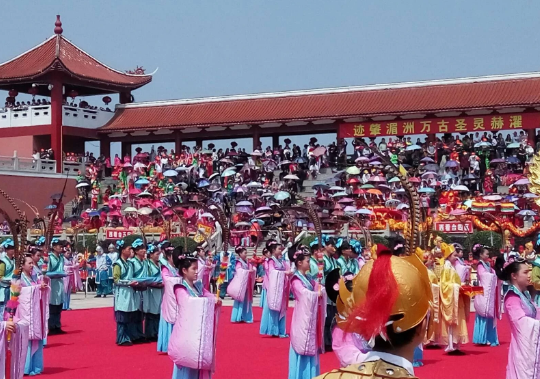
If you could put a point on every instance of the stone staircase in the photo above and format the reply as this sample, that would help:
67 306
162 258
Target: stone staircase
326 173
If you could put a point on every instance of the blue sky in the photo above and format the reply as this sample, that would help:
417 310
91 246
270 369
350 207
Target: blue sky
209 48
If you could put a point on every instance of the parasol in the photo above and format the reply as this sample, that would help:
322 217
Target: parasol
318 151
291 177
170 173
353 170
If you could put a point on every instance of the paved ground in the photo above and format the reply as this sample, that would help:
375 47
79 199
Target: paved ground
80 301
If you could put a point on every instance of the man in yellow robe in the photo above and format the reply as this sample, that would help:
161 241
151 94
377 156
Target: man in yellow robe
454 306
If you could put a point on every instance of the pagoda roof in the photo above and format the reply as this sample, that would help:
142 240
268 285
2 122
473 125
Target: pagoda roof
57 53
426 97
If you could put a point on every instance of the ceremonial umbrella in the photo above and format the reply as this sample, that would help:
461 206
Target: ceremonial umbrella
228 172
427 160
374 192
394 180
451 164
426 190
522 182
291 177
377 179
367 186
82 184
461 188
526 212
282 195
339 194
244 203
364 211
145 211
336 188
170 173
143 181
318 151
321 186
413 147
353 170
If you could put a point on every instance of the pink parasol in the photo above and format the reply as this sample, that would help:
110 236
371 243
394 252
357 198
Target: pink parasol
319 151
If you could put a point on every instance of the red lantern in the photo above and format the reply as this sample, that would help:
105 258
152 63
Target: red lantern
13 93
73 94
107 100
33 91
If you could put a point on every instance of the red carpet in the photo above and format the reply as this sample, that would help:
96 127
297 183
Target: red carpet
88 351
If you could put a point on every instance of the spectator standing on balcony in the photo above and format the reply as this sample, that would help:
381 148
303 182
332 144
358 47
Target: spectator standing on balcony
108 166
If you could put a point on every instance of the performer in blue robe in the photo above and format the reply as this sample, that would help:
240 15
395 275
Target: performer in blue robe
7 266
140 271
55 271
153 295
103 266
126 299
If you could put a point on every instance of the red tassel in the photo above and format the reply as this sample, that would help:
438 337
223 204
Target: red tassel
370 317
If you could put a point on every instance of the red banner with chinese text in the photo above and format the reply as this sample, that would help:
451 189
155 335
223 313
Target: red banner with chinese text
453 227
114 234
469 124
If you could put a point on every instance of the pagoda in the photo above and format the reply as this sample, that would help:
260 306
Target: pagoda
59 70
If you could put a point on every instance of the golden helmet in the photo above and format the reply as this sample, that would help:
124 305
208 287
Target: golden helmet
411 297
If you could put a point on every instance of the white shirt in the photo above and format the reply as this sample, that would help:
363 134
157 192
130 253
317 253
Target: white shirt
390 358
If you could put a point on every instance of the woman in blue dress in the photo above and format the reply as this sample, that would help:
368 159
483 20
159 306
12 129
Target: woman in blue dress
242 310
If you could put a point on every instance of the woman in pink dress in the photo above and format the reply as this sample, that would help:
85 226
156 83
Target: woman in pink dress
524 317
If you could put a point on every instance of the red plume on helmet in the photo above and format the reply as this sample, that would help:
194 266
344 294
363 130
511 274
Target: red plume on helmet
371 316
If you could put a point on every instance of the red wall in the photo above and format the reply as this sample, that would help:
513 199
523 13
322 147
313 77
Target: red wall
24 146
36 191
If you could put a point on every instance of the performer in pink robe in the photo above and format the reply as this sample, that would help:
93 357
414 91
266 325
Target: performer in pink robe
524 317
307 327
169 309
463 270
204 268
193 340
33 311
273 320
487 304
240 288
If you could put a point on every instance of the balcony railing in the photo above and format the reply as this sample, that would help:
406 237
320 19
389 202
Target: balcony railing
27 165
41 115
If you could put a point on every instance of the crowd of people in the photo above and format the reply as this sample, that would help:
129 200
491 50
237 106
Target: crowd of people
21 105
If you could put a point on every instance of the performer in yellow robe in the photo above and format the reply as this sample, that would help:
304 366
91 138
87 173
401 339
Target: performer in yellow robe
454 306
434 335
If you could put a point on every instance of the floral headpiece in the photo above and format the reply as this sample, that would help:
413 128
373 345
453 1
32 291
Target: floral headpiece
138 243
120 244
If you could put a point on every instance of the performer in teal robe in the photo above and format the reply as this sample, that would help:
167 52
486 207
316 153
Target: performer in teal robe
330 264
153 295
55 271
7 266
243 310
126 299
140 271
346 262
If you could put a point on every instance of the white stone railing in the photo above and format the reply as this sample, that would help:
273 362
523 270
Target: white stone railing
27 165
85 118
41 115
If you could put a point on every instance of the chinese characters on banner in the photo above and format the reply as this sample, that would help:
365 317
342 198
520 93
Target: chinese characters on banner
199 237
470 124
454 227
115 234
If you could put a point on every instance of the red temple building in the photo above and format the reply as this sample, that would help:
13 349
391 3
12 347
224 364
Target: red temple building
59 70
